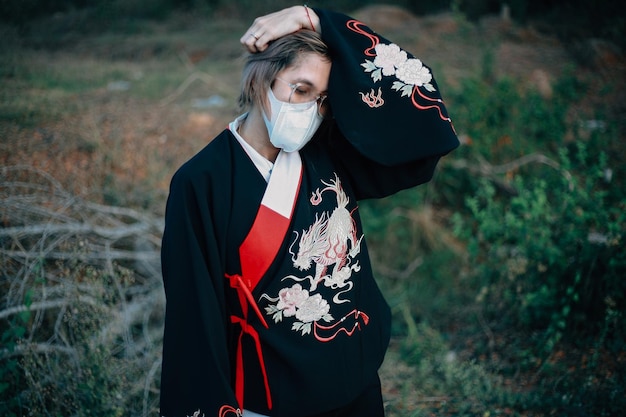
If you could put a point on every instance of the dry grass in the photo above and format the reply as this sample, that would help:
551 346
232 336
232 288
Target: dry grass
81 290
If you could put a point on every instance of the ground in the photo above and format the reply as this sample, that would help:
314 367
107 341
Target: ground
110 136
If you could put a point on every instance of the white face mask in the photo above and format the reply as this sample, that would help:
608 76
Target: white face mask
292 125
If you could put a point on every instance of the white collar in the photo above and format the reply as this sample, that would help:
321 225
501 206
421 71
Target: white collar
262 164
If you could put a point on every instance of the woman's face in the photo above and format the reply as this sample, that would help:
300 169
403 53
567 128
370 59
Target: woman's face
305 81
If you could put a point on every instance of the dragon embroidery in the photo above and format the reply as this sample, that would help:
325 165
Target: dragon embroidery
331 244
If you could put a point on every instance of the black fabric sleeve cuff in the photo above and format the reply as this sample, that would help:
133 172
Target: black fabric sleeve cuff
384 100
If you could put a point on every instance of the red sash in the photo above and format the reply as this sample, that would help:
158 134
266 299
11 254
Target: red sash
258 250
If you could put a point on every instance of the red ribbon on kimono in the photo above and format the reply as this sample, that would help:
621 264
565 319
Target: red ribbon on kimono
258 250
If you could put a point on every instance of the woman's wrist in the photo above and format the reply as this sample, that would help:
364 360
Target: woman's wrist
312 19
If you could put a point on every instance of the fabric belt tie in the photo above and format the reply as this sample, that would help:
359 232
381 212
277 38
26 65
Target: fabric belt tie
258 251
246 299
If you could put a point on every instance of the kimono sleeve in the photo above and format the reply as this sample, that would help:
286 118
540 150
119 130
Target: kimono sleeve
371 179
384 100
196 374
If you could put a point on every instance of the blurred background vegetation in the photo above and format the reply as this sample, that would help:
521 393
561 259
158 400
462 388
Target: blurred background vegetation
505 273
568 18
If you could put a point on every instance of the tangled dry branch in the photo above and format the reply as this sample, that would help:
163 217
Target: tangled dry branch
485 169
78 279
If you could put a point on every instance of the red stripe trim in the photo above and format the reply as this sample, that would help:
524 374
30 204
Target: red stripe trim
259 249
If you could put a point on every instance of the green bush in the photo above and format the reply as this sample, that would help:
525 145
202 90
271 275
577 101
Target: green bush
503 120
550 257
455 386
538 264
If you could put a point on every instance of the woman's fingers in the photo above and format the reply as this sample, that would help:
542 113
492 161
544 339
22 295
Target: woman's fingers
270 27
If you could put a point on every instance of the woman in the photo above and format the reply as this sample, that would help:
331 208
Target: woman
271 300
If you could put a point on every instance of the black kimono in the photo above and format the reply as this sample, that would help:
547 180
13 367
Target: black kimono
310 335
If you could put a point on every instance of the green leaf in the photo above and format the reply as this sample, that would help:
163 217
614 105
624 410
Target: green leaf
369 66
377 75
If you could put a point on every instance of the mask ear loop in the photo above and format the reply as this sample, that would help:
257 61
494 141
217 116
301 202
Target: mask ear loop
266 104
274 107
319 104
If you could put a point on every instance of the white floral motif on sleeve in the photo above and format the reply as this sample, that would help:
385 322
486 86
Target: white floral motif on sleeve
413 79
388 57
391 60
412 71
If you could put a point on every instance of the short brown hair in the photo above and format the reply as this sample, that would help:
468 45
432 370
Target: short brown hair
261 68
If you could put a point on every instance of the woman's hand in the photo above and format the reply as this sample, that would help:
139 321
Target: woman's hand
270 27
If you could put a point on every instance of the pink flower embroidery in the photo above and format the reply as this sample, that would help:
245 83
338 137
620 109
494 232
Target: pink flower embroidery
291 298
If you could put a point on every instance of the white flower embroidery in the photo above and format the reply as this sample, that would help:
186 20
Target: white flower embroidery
392 61
312 309
296 301
389 57
412 71
291 298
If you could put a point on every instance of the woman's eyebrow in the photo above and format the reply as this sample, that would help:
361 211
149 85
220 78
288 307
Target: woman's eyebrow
308 83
